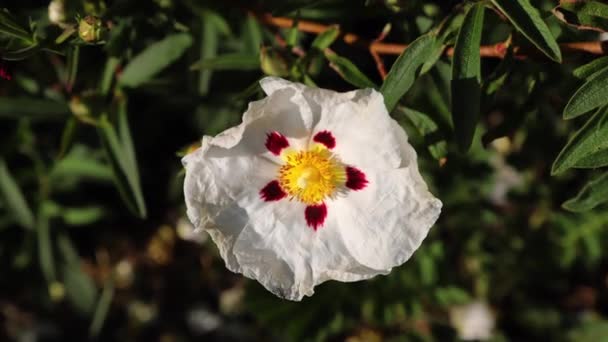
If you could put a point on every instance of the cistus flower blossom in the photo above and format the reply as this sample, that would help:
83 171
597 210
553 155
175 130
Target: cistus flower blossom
313 185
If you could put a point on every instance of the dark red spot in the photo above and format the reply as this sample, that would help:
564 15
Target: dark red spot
325 138
315 215
275 142
355 178
4 73
272 192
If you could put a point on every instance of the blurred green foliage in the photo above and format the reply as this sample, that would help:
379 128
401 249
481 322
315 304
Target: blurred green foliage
99 98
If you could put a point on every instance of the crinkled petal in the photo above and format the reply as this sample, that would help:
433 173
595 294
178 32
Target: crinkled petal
383 224
288 257
363 130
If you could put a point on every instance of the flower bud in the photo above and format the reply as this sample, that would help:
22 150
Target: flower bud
273 63
90 29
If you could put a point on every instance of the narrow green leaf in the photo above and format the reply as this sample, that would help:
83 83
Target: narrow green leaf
80 288
466 77
13 198
595 192
109 72
45 249
528 21
428 129
588 70
125 172
326 38
593 160
33 108
590 140
67 136
406 68
154 59
592 94
79 164
208 50
72 66
349 71
594 8
230 61
103 307
82 216
252 36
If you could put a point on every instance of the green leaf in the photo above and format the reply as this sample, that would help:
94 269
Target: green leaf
45 249
466 77
109 72
588 141
349 71
103 307
595 192
126 175
326 38
229 61
208 49
252 35
80 288
82 216
428 129
73 57
593 160
13 198
154 59
592 94
33 108
406 68
528 21
588 70
79 164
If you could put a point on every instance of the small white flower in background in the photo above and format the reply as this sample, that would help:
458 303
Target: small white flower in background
473 321
57 14
313 185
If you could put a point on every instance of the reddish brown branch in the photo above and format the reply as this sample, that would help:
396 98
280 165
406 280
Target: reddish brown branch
380 48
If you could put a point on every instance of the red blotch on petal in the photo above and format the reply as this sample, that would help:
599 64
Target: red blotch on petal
275 142
315 215
4 73
355 178
272 192
325 138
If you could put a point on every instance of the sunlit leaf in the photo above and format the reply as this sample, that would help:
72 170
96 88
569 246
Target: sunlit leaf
349 71
595 192
590 140
406 68
592 94
528 21
466 77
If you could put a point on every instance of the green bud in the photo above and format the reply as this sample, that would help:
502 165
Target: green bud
90 29
273 63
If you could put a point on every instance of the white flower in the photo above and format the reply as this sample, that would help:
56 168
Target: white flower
57 12
473 321
313 185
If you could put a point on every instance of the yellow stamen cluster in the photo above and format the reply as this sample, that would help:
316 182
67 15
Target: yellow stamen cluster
311 176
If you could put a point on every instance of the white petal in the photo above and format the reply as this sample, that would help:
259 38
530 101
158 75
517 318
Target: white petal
289 258
385 222
363 130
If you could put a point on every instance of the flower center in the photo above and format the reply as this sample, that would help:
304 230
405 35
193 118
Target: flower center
311 176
